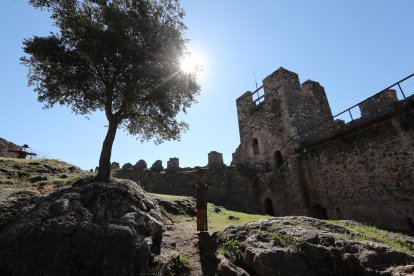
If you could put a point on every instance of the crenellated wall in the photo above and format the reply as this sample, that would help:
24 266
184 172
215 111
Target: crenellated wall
366 173
363 170
232 187
295 159
288 109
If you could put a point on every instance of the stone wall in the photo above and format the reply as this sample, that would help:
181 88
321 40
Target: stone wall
231 187
293 159
378 104
362 170
269 128
366 173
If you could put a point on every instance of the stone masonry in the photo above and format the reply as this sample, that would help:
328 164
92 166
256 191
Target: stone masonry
362 170
269 127
173 165
295 159
215 159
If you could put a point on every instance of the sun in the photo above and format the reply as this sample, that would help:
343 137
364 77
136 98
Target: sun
191 64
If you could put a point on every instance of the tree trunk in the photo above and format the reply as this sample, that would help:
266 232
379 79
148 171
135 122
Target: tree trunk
104 170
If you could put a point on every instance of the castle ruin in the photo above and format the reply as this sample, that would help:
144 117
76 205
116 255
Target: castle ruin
295 158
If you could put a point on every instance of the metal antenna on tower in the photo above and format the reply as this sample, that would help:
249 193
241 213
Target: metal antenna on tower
254 73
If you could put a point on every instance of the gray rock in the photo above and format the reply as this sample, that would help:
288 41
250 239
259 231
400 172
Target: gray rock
39 178
179 207
93 229
308 246
227 268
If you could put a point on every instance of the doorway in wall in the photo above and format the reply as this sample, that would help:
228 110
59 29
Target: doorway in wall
268 206
318 211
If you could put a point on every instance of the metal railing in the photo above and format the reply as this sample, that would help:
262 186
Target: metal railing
257 96
348 111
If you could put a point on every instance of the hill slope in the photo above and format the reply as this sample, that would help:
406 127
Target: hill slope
55 220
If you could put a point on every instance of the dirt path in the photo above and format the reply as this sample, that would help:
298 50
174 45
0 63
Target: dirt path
183 237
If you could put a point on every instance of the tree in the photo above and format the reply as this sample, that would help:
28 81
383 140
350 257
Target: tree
117 56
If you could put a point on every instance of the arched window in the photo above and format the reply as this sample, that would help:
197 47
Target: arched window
255 146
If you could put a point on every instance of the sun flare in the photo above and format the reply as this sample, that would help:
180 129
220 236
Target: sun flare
191 64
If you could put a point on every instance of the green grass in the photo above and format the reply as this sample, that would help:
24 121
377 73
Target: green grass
219 221
25 161
216 221
362 232
168 197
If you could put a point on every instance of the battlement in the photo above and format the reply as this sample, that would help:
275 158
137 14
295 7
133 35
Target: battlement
283 110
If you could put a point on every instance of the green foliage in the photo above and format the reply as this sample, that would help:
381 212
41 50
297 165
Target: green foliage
277 236
151 271
285 240
363 232
261 234
179 265
231 249
117 56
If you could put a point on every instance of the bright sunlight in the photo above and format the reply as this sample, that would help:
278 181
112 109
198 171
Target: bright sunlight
192 64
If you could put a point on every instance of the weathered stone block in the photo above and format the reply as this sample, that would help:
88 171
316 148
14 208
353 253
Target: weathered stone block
173 165
215 159
378 104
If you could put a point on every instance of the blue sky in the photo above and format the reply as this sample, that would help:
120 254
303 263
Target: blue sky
353 48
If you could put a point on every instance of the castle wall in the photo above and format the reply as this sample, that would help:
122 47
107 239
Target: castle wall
365 173
288 109
235 188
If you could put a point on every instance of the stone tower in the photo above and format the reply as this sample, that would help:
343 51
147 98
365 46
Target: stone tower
281 121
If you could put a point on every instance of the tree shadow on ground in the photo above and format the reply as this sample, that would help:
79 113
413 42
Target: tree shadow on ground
207 245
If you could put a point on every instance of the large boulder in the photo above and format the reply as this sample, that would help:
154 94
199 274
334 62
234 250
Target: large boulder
90 229
308 246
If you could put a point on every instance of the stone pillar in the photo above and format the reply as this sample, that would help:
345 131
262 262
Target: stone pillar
173 165
215 160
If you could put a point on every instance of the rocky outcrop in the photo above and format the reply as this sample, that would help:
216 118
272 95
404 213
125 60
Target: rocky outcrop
307 246
21 172
5 146
179 207
89 229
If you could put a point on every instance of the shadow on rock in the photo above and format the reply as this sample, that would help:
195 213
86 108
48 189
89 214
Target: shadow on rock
92 229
